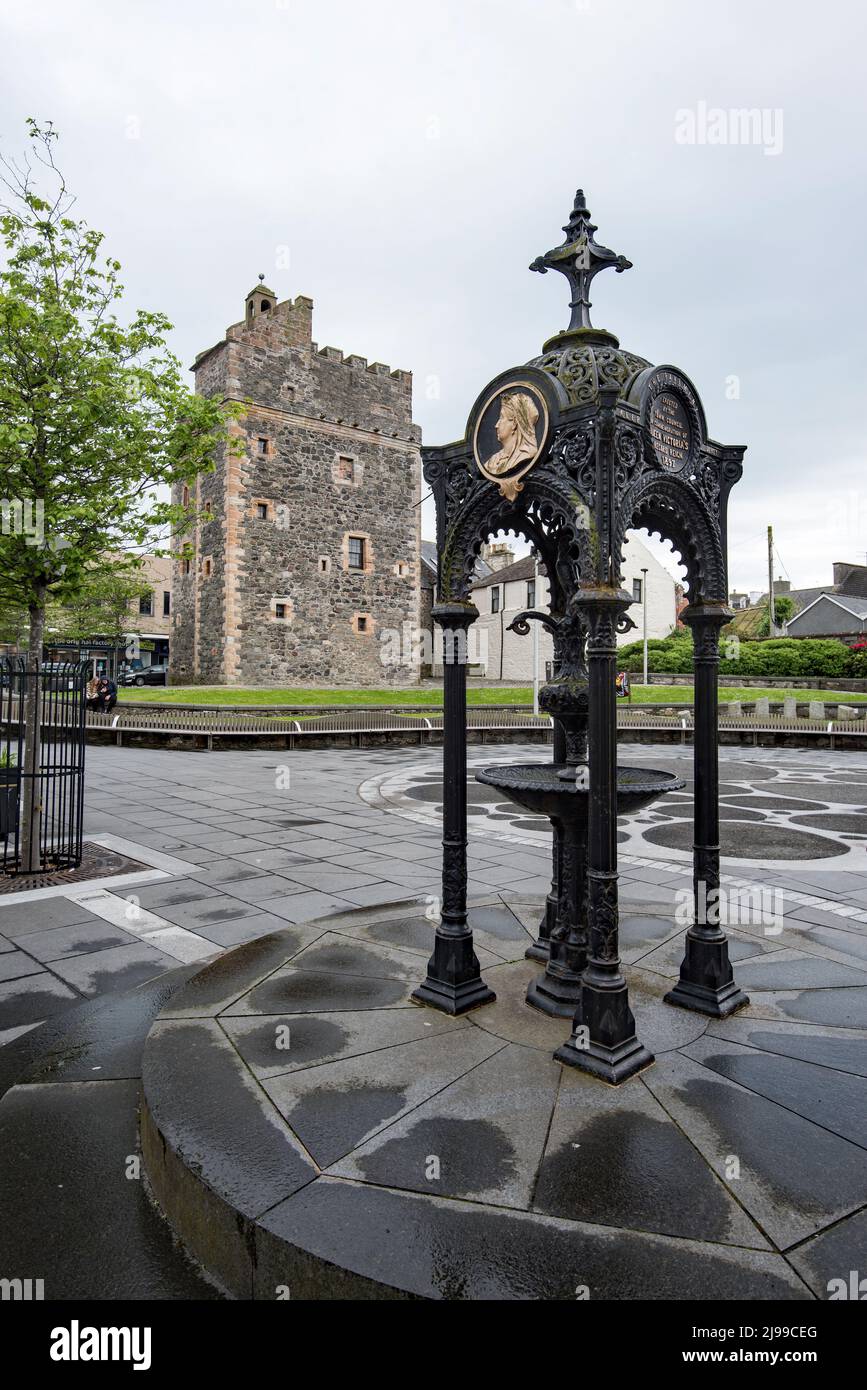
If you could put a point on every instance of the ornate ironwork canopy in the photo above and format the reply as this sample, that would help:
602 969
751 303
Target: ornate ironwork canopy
573 449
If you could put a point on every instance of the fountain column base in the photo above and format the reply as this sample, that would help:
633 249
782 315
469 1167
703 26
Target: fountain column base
542 945
454 984
603 1041
707 984
554 995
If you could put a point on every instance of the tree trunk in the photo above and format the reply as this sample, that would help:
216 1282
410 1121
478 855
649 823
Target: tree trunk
31 792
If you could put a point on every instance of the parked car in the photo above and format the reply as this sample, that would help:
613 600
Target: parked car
57 675
146 675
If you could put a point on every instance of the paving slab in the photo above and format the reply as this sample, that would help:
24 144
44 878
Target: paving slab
54 1178
794 1177
433 1248
272 1045
335 1107
616 1160
799 1085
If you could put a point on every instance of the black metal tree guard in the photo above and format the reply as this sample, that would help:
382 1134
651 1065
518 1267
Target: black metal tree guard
573 449
42 748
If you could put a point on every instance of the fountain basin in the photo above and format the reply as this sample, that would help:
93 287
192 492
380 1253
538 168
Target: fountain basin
561 792
551 789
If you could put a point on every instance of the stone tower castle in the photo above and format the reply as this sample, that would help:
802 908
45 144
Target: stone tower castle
307 547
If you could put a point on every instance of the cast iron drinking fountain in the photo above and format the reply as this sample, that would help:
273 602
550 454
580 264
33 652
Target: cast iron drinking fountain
561 791
571 450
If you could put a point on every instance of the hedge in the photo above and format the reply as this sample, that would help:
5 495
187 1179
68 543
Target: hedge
779 656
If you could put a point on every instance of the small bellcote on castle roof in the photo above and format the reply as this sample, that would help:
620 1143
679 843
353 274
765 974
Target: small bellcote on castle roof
260 300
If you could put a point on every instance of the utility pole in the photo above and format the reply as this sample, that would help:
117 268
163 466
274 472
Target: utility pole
644 613
772 621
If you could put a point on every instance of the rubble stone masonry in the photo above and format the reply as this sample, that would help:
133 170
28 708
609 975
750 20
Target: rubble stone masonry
307 547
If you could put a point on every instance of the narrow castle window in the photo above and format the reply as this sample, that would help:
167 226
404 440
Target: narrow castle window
261 445
265 306
185 498
185 567
262 511
280 610
356 552
362 624
206 568
324 564
346 469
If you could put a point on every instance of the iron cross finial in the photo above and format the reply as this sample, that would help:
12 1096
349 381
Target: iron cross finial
579 258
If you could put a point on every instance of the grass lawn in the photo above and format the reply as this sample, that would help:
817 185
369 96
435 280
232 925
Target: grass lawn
482 695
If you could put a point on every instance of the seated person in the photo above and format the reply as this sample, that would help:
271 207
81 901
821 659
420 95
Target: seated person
106 695
91 694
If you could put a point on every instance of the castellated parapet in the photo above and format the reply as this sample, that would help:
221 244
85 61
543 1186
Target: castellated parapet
307 547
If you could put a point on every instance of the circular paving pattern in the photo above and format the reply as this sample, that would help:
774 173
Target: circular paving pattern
778 808
311 1133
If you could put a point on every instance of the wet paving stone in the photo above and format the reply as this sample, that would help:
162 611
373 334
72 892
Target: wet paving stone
482 1138
840 1050
217 1119
827 1261
438 1249
316 991
288 1042
624 1162
799 1085
795 1177
65 1163
335 1107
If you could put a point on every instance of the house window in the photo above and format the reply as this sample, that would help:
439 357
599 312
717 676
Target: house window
531 593
262 511
186 566
346 469
636 591
495 599
356 552
280 610
362 624
167 602
146 605
261 445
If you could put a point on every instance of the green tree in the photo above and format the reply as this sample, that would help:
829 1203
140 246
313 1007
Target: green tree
96 422
784 608
101 606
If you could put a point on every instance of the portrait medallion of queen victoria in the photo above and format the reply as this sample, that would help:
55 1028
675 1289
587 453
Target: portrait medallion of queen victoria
511 430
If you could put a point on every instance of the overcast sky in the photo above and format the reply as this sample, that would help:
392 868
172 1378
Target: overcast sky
402 163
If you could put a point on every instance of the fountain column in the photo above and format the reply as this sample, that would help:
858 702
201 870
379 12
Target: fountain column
454 983
706 982
603 1039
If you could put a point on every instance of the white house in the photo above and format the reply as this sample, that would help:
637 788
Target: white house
505 592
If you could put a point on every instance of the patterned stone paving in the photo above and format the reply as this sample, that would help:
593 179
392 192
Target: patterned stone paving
348 1139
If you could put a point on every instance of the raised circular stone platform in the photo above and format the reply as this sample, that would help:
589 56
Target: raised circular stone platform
311 1133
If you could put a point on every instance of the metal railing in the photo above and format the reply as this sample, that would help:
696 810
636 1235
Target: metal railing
42 747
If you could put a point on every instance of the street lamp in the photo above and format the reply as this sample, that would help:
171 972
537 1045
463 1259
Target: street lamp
644 609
